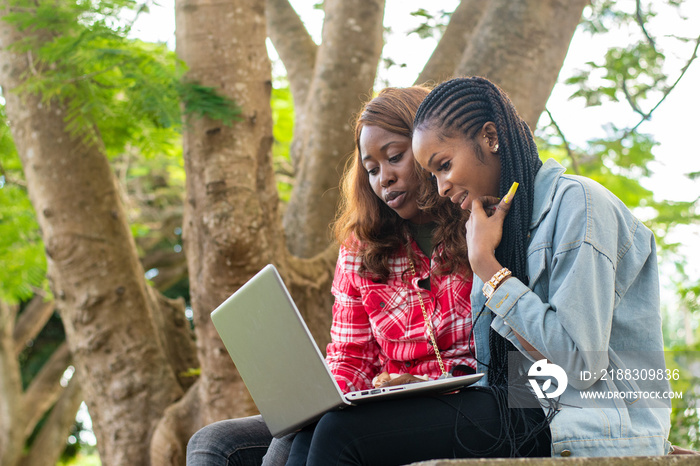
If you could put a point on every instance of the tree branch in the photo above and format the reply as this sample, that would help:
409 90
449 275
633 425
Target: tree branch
45 388
632 101
294 45
51 441
445 58
640 20
567 146
344 74
311 272
8 313
9 180
141 9
179 422
646 116
169 276
11 413
521 45
162 258
176 336
31 321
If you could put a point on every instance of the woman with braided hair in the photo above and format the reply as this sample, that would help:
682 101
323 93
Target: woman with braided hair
565 295
564 274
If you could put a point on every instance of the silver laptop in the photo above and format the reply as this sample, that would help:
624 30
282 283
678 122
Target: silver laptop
280 363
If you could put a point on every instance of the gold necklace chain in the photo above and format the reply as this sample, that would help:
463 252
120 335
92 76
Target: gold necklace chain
429 325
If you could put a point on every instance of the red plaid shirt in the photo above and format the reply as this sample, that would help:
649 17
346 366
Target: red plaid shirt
380 326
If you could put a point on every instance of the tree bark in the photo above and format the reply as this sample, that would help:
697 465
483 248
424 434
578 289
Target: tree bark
180 421
11 416
521 45
346 64
98 283
444 60
231 223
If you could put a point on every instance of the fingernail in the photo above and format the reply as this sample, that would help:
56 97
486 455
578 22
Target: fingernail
511 192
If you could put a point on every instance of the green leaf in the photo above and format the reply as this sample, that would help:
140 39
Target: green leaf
22 259
203 101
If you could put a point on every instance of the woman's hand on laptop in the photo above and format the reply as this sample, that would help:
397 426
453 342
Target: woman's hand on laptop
387 380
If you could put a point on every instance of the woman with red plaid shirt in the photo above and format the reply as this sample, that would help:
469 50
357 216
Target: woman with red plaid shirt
392 256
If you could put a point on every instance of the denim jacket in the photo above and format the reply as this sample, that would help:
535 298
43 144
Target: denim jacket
591 306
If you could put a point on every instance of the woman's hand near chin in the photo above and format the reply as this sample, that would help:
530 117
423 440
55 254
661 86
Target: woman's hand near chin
484 233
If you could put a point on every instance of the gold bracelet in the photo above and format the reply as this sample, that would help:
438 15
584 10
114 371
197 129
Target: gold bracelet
490 286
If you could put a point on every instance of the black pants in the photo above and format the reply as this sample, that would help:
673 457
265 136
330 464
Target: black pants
461 425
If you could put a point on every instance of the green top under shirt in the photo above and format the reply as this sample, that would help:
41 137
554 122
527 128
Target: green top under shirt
423 235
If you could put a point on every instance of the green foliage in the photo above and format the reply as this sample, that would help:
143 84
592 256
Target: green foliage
603 16
21 248
618 164
191 372
634 73
282 132
82 459
637 75
670 214
118 91
204 101
431 25
630 73
685 416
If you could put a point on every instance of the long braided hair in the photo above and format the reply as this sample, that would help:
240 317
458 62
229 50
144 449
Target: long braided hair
462 106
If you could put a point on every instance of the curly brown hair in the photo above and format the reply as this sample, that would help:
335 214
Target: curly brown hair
372 229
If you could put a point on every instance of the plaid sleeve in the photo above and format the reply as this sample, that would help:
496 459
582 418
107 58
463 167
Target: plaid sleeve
353 354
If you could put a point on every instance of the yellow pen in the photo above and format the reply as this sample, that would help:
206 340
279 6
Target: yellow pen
511 192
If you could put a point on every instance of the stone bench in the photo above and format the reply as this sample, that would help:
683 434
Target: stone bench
669 460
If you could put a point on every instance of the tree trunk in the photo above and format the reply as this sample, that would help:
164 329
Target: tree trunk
93 267
521 45
345 67
97 281
445 58
231 223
